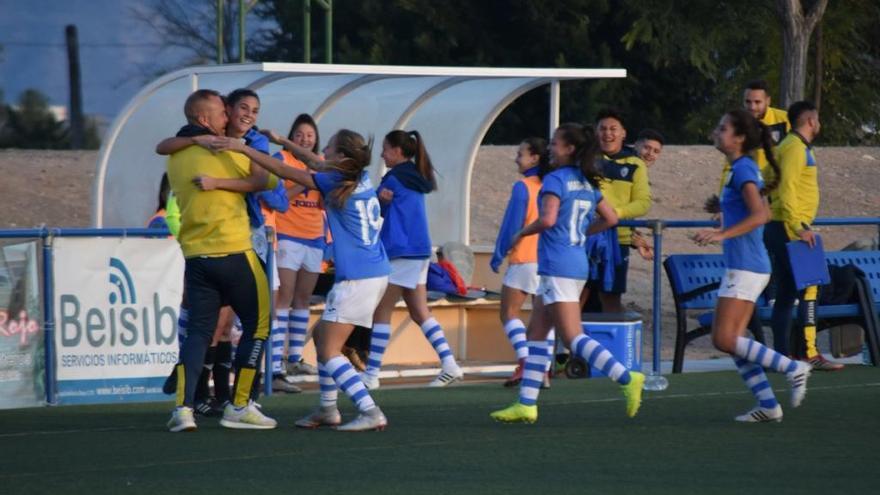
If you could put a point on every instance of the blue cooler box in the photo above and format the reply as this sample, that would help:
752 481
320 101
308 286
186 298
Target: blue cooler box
620 333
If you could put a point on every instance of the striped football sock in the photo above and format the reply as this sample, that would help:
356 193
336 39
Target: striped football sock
516 334
434 333
328 387
533 372
551 347
279 328
599 358
346 378
758 353
756 380
378 343
297 330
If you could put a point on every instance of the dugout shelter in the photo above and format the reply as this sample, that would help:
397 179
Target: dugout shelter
452 107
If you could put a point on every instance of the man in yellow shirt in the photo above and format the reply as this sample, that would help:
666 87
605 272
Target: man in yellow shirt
626 188
756 99
793 205
221 268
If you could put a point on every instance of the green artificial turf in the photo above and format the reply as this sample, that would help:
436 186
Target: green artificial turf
443 441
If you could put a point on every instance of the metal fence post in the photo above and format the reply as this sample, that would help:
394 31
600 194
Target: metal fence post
49 316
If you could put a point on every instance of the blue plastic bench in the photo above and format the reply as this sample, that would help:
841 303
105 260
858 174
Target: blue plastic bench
694 279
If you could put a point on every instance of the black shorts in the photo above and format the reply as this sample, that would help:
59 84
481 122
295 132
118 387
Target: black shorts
237 280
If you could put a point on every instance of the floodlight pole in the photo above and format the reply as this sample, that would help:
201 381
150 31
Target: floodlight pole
244 6
327 5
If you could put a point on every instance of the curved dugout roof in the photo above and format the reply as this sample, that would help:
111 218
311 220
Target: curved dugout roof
452 107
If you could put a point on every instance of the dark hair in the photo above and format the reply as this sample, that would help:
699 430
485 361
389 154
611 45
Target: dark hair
356 152
797 109
538 146
412 146
190 109
237 95
651 135
610 113
757 135
306 119
164 190
758 84
586 148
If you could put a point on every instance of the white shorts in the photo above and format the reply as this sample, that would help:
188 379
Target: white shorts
742 284
293 255
522 276
560 289
409 273
354 301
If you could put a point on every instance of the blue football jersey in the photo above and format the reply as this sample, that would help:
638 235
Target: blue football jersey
357 251
745 252
561 251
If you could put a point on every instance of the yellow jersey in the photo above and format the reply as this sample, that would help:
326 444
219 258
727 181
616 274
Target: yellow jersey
795 201
212 223
626 188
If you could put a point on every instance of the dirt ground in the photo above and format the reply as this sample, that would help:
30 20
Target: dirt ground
55 188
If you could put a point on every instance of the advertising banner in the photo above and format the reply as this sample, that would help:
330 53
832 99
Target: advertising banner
116 304
22 350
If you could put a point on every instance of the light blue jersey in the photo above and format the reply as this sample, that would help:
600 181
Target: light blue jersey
745 252
357 251
561 251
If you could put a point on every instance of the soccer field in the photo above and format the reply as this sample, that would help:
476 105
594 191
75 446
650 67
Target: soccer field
442 441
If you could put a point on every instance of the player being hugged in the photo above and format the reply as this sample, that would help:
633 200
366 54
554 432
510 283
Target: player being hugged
405 237
362 267
572 207
743 214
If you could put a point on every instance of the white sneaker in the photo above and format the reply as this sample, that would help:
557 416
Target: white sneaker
798 381
321 416
301 368
447 377
370 381
280 383
762 415
182 420
373 419
247 418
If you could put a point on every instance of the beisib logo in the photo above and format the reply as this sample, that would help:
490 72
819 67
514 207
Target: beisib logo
127 320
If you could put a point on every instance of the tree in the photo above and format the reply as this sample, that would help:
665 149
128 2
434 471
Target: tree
32 125
192 26
797 27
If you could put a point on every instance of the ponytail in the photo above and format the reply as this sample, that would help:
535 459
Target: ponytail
756 135
412 146
586 149
538 146
767 146
356 152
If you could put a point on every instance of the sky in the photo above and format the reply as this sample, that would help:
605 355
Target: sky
117 53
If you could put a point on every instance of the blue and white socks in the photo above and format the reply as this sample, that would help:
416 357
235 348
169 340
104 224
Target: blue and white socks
378 343
346 378
279 330
533 372
598 357
434 333
755 352
328 387
516 334
297 331
757 382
